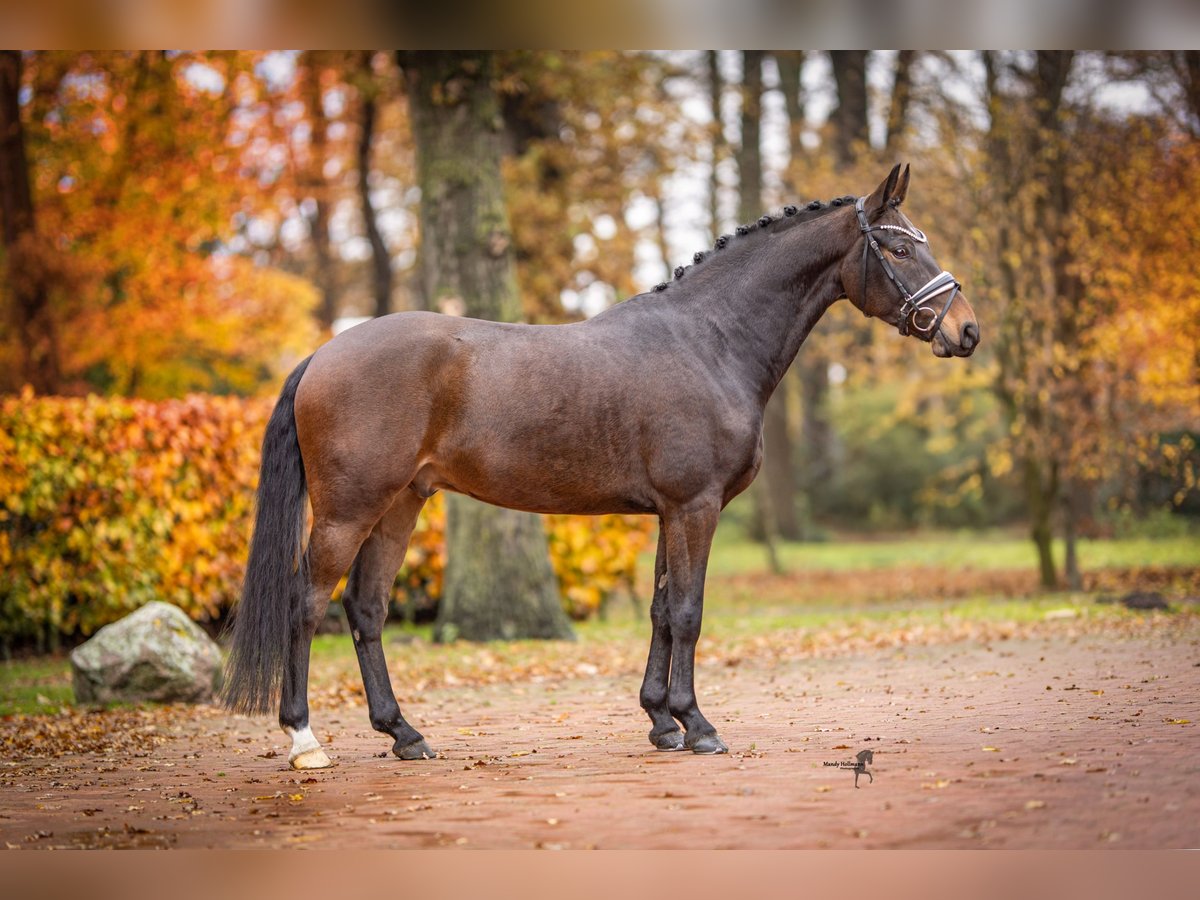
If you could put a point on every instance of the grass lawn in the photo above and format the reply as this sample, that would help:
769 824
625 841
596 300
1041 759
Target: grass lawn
35 685
733 554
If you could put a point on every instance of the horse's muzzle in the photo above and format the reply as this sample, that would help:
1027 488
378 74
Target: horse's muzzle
967 342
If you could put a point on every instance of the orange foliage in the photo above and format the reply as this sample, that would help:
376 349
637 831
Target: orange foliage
1136 238
139 181
110 503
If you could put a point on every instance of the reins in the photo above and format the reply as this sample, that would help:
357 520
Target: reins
914 305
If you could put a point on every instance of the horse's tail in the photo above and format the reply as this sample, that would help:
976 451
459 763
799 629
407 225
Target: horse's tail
277 579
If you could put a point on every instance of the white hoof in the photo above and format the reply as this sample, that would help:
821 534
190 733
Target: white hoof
311 759
306 751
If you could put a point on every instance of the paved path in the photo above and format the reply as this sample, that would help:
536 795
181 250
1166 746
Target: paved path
1057 742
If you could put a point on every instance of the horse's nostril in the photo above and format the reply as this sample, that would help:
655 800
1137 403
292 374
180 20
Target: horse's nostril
970 336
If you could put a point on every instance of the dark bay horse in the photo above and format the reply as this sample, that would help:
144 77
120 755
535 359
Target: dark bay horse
654 406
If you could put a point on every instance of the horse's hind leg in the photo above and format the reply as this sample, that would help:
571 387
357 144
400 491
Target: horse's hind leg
331 549
366 603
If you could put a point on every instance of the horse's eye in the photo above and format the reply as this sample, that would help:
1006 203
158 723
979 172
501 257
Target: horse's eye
900 252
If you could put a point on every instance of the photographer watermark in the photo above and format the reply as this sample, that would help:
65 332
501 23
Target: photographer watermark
858 765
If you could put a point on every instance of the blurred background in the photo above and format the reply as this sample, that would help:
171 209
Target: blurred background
181 228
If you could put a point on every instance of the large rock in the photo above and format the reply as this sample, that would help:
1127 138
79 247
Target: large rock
156 653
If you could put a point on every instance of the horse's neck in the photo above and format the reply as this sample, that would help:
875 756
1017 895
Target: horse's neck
782 292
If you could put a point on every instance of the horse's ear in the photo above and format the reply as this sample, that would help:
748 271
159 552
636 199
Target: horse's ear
877 202
902 188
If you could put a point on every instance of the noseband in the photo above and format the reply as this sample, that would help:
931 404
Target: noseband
914 306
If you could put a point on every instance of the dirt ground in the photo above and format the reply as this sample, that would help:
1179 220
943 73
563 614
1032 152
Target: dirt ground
1056 742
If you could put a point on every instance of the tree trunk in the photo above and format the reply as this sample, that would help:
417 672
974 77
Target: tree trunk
849 121
850 116
795 524
1072 319
325 276
381 262
36 340
16 199
660 232
1042 492
775 490
498 580
901 94
1026 147
777 463
716 88
790 64
816 431
1072 501
1187 68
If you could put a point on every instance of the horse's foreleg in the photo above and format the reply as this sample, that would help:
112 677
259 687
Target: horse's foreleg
330 551
366 601
689 533
665 735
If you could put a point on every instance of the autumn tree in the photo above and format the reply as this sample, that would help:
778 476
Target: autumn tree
849 117
137 181
24 259
774 492
847 136
370 86
498 579
315 183
1026 146
587 135
1133 359
901 100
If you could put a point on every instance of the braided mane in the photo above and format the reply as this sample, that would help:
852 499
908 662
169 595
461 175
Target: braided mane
767 223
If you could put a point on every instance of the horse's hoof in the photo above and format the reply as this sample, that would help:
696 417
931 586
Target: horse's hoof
709 744
311 759
418 749
668 740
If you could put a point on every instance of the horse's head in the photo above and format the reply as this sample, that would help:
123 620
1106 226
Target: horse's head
865 756
891 274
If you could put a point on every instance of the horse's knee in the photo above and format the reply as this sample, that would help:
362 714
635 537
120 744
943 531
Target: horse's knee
685 624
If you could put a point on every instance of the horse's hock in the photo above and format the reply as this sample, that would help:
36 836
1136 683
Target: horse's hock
156 653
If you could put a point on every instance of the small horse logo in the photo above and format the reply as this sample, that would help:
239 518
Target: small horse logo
864 757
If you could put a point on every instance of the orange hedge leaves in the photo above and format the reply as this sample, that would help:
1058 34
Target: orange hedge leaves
108 503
